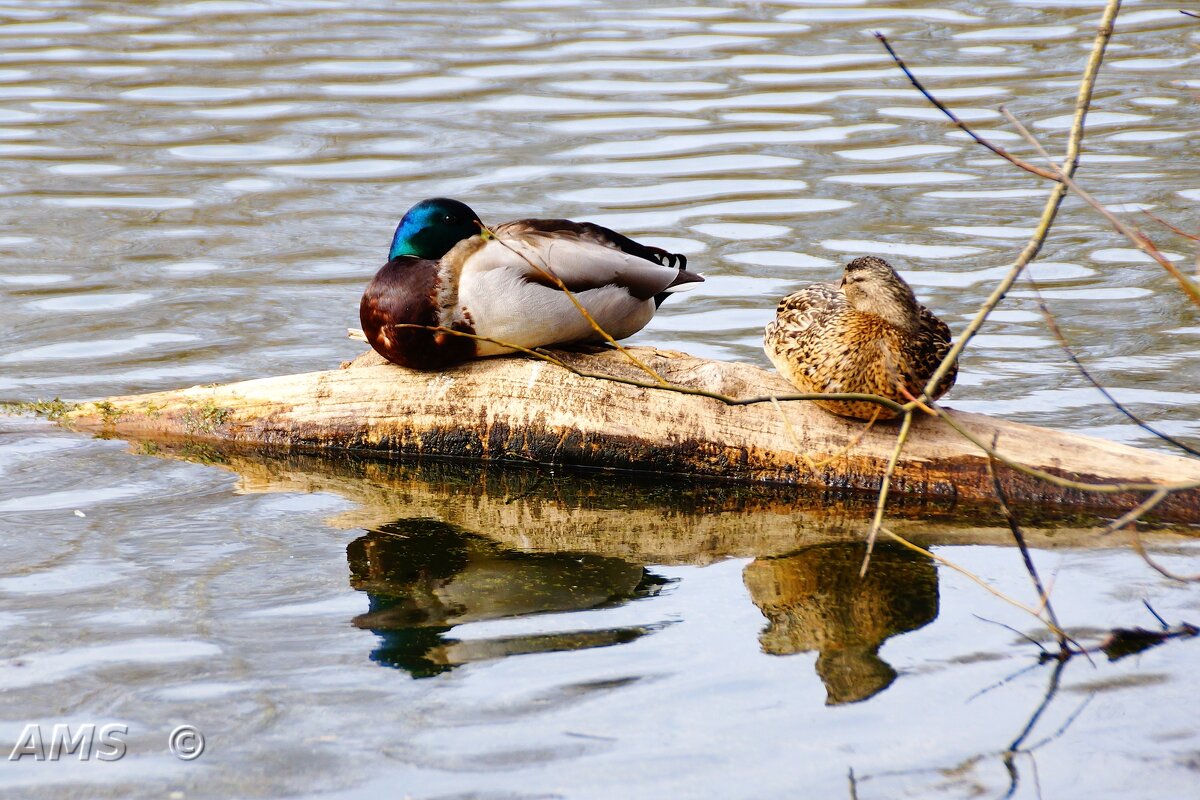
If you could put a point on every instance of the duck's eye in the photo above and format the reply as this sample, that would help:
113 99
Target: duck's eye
448 218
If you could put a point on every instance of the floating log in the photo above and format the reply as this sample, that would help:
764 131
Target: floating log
527 410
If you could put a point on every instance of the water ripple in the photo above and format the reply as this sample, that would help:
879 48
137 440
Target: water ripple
197 191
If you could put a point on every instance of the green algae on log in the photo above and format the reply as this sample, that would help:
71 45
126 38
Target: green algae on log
518 409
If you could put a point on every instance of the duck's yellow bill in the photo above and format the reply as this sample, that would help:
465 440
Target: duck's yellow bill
484 231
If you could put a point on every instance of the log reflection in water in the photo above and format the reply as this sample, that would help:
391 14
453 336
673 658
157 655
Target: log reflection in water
514 526
425 577
815 600
660 520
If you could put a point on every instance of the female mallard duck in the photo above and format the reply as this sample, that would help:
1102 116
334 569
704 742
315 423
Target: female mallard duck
865 334
447 270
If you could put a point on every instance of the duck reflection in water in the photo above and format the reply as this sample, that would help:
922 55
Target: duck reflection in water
424 578
815 600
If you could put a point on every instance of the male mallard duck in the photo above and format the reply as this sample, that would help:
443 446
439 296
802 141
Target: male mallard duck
447 270
865 334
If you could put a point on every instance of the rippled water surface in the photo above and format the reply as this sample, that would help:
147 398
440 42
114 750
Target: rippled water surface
198 192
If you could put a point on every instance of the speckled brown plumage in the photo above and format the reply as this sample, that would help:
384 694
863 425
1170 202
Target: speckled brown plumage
866 334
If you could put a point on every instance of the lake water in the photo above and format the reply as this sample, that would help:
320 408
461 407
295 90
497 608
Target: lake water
198 192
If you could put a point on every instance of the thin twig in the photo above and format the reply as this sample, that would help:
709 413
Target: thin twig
1050 210
995 148
1015 746
498 342
1019 537
881 500
545 270
1171 227
1022 634
915 402
1037 781
1135 513
1139 239
795 440
669 387
1056 480
1042 659
1155 614
970 576
1154 565
1052 324
1066 724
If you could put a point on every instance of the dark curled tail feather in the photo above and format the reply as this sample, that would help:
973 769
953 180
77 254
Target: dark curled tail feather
668 259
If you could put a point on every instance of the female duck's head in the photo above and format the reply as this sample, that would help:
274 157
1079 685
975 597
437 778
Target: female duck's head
432 227
872 287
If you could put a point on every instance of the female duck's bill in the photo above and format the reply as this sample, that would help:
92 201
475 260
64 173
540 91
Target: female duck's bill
454 290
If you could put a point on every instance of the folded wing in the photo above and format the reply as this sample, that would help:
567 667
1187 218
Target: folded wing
585 256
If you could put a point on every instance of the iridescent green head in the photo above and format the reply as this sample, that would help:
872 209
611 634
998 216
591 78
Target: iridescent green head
431 227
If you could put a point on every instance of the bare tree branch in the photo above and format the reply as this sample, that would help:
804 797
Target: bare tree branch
1171 227
1154 565
1139 239
885 484
1135 513
1052 324
995 148
1049 212
1019 537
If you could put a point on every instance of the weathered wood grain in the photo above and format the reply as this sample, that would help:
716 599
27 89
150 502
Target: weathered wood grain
528 410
